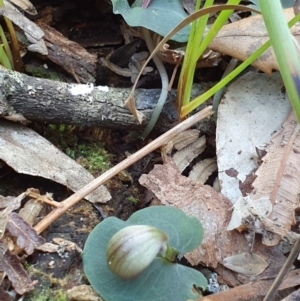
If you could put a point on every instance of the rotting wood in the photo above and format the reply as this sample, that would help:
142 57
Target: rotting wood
69 55
54 102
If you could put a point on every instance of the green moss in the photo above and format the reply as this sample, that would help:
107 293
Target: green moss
41 72
48 294
60 296
48 288
91 156
132 200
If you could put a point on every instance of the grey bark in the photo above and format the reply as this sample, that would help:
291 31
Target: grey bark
49 101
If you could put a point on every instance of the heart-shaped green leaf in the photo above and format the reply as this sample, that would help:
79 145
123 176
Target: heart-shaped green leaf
160 281
160 17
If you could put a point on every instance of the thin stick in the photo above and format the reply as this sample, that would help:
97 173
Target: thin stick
284 270
160 141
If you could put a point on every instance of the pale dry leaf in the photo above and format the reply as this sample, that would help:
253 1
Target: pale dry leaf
130 105
3 249
67 244
256 108
11 202
216 185
25 5
30 211
83 293
241 39
48 247
59 245
187 154
248 264
213 211
182 140
27 152
203 170
6 200
24 23
278 178
27 238
3 223
38 46
12 266
33 32
262 207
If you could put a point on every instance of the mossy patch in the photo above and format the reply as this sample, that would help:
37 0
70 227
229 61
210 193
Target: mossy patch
91 155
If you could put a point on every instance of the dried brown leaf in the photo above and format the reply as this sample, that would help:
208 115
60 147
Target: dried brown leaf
11 265
187 154
203 170
241 39
195 199
213 210
278 178
130 105
27 237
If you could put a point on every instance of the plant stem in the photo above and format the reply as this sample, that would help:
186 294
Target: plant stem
284 270
284 48
164 84
202 98
170 254
189 63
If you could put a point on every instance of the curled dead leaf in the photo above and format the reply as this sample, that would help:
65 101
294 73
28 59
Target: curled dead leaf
241 39
130 105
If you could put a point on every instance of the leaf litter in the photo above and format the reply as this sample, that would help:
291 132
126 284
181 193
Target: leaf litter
19 234
27 152
213 210
276 184
270 206
242 38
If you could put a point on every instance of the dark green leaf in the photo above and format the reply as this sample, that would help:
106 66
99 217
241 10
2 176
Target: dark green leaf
162 280
160 17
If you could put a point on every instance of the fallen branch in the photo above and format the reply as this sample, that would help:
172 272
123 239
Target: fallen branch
83 105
